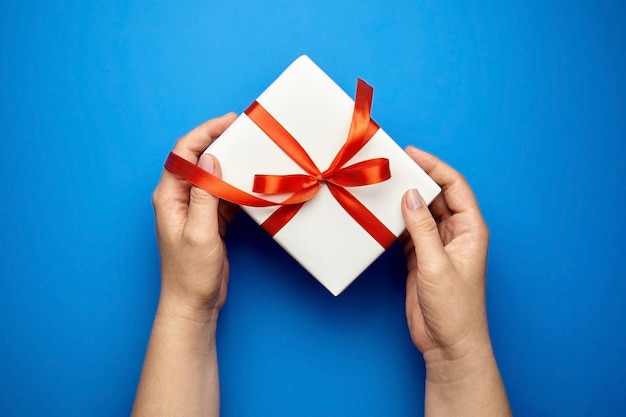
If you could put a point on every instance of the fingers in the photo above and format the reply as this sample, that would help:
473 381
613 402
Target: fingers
203 214
190 147
202 218
456 196
195 142
421 226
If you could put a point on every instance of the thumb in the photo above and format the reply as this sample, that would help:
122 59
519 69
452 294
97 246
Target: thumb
423 230
203 206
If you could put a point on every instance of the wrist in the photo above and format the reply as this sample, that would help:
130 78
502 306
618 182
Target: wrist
469 357
468 384
172 306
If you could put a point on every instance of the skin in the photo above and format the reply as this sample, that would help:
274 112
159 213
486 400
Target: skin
446 250
445 301
180 374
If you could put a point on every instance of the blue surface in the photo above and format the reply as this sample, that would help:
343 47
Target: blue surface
527 99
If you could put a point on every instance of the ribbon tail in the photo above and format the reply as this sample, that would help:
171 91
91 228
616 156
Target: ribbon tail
362 127
363 216
212 184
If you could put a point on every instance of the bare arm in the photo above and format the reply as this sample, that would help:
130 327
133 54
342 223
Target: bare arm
180 373
446 252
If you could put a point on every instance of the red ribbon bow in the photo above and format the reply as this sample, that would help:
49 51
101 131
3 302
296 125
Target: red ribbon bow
305 186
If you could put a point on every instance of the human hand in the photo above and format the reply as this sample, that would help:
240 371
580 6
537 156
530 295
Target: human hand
180 373
190 226
446 251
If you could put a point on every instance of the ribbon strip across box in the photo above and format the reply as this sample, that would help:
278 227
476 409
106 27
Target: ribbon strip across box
308 164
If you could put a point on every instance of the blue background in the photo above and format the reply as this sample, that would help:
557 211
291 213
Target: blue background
527 99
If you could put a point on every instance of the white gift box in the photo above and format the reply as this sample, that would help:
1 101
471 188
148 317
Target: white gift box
322 236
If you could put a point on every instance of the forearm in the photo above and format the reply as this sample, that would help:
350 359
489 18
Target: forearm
180 373
468 386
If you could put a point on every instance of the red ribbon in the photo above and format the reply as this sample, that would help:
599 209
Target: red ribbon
305 186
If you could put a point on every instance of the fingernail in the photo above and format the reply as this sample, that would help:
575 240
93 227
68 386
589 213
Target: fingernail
231 114
413 199
206 163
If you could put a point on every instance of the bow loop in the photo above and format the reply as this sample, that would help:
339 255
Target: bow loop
371 171
280 184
